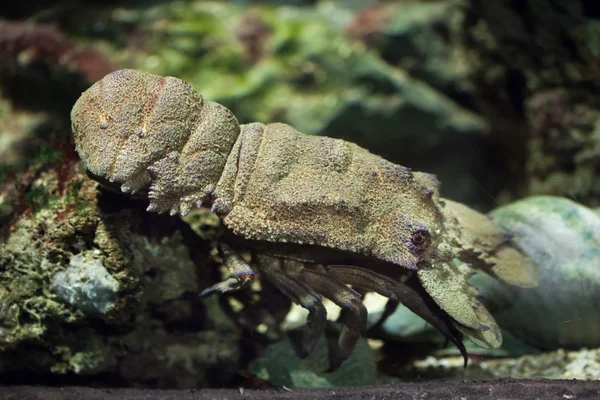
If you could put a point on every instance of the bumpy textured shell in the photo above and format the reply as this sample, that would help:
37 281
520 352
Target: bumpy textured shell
563 237
283 186
138 129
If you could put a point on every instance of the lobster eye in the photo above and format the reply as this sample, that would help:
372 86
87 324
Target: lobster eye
420 238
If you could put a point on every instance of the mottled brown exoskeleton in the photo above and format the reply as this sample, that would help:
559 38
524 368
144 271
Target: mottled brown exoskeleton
338 214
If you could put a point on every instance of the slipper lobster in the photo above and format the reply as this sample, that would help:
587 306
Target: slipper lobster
323 217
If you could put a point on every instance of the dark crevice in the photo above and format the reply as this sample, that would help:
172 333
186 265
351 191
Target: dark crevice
590 8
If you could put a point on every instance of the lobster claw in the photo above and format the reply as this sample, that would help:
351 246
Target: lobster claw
446 284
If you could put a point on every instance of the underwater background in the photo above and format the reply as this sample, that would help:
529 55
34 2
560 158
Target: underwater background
498 99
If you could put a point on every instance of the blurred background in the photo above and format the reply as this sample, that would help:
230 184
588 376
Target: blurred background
498 98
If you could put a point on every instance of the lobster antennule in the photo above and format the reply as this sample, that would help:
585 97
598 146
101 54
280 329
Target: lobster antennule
487 247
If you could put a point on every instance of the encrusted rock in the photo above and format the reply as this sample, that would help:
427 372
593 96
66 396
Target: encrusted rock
91 284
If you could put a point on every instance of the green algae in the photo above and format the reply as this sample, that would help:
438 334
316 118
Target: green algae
74 257
299 65
32 252
302 76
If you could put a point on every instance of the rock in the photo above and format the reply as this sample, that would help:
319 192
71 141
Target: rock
86 284
280 365
91 284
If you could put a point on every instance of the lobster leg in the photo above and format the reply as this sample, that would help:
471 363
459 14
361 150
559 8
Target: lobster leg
390 308
349 300
241 272
373 282
364 279
302 295
410 293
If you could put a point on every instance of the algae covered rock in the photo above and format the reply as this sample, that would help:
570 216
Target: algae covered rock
89 284
86 284
423 38
536 83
